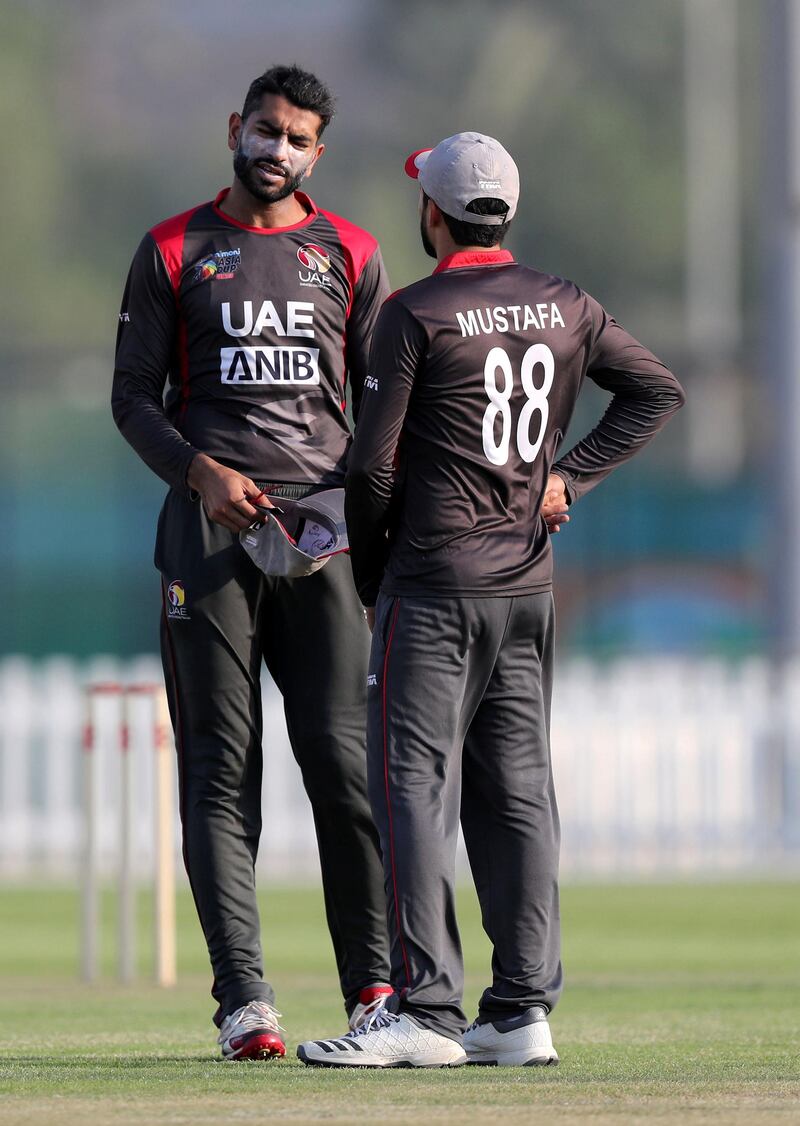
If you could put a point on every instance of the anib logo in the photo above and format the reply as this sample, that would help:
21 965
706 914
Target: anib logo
176 594
314 257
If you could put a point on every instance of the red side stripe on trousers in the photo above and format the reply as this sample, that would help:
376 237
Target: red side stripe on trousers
178 745
388 798
178 720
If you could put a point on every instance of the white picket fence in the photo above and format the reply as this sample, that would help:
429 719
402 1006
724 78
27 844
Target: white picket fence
662 766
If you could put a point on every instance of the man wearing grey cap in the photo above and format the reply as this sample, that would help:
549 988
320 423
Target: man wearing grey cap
452 490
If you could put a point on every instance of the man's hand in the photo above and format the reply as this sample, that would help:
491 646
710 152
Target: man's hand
554 505
228 497
369 614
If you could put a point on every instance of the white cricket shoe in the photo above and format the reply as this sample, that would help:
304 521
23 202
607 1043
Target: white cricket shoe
252 1032
370 1000
522 1041
385 1040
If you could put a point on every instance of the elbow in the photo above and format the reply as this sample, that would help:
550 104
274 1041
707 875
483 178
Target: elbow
358 468
678 396
669 397
356 479
118 404
677 399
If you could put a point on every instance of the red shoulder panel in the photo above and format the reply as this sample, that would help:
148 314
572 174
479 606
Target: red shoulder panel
169 237
358 246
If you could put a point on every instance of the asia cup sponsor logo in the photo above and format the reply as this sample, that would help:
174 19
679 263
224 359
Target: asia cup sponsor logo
317 262
206 270
176 597
221 266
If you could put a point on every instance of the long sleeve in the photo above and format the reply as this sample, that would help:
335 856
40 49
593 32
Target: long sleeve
371 290
146 348
645 395
398 345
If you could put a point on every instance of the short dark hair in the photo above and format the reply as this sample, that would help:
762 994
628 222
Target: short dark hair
477 234
299 87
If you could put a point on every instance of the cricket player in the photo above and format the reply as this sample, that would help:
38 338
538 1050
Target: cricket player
452 488
253 310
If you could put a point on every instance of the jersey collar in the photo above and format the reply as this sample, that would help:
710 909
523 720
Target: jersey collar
302 198
474 258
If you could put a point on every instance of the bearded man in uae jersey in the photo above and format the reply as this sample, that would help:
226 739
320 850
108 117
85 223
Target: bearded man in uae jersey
243 322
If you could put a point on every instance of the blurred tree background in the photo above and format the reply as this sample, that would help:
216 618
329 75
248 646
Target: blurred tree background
115 117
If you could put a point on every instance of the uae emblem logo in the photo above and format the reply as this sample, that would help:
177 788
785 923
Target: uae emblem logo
176 597
314 258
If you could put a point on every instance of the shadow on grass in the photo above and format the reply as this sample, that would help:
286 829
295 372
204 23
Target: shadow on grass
133 1060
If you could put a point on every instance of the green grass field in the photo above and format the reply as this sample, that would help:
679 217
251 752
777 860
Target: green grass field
682 1003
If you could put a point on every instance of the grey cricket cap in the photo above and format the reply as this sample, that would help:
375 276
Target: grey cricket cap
463 168
298 536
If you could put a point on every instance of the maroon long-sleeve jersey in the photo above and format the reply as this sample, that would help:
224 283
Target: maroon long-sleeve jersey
253 332
473 377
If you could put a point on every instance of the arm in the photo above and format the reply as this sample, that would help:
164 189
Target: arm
146 342
370 292
645 395
397 348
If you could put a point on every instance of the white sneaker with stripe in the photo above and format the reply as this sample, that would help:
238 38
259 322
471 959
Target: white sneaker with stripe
385 1040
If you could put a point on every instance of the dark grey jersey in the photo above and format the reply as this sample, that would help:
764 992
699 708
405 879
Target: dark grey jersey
473 376
254 333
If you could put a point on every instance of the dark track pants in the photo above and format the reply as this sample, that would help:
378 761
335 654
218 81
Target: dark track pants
459 718
312 635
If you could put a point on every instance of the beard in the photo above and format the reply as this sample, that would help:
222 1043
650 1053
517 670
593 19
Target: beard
426 242
245 167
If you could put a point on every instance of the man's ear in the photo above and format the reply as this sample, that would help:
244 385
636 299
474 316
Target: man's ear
234 129
434 214
317 155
